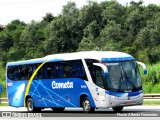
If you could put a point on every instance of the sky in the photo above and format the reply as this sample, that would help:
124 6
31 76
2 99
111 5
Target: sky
27 10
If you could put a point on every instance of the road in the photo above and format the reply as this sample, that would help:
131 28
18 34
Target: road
78 112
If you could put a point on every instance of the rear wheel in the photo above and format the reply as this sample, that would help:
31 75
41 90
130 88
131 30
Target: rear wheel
87 106
58 109
117 109
30 106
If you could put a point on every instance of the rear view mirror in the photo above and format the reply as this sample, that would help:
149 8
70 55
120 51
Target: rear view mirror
105 70
144 67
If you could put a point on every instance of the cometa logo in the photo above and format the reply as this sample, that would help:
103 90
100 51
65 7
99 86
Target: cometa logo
62 85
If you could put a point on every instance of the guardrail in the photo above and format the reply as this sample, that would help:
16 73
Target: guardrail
3 100
145 96
151 96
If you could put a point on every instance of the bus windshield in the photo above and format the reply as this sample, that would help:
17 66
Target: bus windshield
123 76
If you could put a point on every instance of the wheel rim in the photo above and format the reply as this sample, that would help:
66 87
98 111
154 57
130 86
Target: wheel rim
30 105
86 105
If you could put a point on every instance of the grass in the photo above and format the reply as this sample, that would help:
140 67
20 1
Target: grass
151 102
153 75
3 104
3 80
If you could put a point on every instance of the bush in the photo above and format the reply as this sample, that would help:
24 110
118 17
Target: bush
153 75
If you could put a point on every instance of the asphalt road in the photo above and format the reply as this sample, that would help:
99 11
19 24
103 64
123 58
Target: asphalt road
134 111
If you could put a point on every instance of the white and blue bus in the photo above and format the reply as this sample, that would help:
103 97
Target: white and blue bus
90 79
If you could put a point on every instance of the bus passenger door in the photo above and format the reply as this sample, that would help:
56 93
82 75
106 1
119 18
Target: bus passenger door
100 87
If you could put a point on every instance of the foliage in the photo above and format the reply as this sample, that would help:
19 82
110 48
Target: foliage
108 25
153 75
154 102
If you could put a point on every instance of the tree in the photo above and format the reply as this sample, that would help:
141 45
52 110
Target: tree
48 17
63 33
5 41
5 45
149 38
87 44
89 13
15 29
113 11
31 39
1 27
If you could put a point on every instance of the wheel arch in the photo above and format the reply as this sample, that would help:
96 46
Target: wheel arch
26 98
82 96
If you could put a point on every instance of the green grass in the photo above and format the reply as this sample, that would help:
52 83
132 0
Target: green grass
153 75
151 102
3 104
150 88
3 80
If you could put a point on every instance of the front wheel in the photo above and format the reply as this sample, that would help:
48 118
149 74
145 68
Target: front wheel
87 106
30 106
117 109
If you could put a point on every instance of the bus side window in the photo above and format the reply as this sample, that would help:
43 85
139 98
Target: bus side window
24 72
30 71
39 74
60 70
91 67
54 72
16 72
77 70
99 77
48 71
96 72
10 72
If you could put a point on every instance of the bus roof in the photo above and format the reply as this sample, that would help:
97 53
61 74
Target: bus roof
98 55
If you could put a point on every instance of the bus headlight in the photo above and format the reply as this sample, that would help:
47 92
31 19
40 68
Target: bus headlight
113 97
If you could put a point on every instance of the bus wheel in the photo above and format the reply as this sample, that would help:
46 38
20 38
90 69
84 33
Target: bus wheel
117 109
58 109
30 106
87 106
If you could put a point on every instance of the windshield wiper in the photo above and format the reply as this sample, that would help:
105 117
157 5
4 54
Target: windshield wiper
127 78
119 87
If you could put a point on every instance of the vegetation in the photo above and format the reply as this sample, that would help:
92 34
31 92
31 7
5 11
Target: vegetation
108 25
3 104
151 102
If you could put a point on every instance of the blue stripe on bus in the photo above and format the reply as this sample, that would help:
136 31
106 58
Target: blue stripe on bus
130 94
134 93
117 59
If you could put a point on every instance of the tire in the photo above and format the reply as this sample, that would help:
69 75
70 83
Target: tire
117 109
87 106
30 106
58 109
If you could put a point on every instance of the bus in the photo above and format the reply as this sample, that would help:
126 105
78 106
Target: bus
88 79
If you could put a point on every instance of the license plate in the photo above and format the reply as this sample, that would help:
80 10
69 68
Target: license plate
129 103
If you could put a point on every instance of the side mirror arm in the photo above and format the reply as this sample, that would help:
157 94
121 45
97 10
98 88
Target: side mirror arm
144 66
103 67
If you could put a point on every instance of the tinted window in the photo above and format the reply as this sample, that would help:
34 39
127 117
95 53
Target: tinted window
19 72
96 72
64 69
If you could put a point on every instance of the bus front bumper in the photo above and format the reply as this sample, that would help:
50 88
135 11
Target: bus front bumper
125 101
